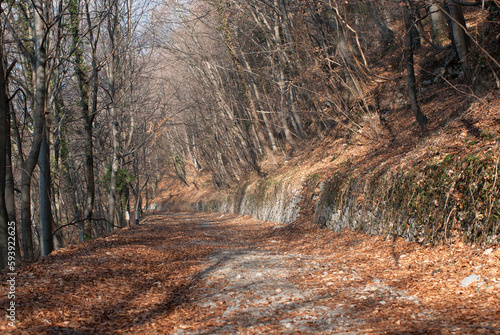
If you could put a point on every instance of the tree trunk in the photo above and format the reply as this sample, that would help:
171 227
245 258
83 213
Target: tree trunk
56 189
28 166
114 163
460 37
284 112
412 93
4 217
281 81
114 171
438 22
47 244
10 200
267 124
295 116
292 62
89 176
87 114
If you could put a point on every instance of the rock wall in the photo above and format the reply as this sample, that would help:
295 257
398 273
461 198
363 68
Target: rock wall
453 197
345 203
267 200
338 204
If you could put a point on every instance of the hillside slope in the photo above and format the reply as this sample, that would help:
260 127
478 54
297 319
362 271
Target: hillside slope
443 179
377 170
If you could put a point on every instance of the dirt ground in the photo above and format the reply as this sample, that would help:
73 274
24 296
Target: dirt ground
199 273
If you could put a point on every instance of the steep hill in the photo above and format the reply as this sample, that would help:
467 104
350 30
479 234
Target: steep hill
380 172
446 175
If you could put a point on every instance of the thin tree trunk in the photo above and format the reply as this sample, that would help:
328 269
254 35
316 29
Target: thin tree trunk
267 124
28 166
114 164
73 184
10 200
281 81
293 64
47 244
89 145
56 189
460 37
412 92
87 115
283 112
114 171
296 118
89 176
4 216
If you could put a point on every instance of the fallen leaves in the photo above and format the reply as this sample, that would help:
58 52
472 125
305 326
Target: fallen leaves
150 280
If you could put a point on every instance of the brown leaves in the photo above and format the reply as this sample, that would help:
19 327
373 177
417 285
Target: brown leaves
149 279
432 274
111 283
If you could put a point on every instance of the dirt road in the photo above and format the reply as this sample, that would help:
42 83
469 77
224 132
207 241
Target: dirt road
195 273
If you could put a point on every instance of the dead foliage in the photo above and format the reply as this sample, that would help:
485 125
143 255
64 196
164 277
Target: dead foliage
146 280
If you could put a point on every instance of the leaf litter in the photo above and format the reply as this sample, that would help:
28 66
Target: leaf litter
199 273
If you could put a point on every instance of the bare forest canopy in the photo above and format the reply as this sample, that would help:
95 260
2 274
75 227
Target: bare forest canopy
98 98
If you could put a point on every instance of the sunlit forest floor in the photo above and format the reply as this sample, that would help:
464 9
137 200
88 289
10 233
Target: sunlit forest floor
194 273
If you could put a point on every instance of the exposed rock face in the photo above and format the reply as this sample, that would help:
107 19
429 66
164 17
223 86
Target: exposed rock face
425 204
276 202
338 205
341 205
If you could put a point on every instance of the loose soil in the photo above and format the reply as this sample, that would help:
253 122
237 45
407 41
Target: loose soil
198 273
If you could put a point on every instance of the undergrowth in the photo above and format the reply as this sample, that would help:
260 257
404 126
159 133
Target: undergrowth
452 197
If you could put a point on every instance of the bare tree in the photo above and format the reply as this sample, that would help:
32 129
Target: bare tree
111 74
4 112
28 166
410 68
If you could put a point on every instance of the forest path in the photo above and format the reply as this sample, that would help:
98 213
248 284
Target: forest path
198 273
